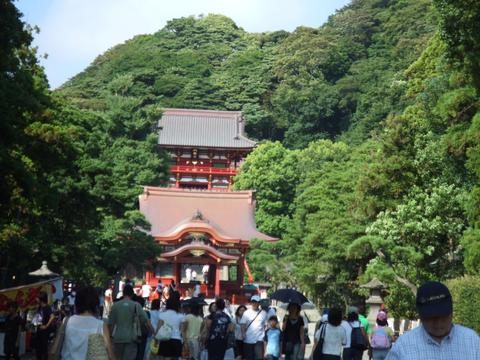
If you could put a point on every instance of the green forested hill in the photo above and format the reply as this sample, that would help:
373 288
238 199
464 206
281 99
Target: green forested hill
295 87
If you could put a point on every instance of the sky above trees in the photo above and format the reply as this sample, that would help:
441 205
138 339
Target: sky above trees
73 33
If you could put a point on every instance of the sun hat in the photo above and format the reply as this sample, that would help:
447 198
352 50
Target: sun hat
382 316
255 298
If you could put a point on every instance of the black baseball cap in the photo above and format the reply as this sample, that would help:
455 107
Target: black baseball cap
434 299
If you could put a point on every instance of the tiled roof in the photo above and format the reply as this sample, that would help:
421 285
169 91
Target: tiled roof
203 128
172 211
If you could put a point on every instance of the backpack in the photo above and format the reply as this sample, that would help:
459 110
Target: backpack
380 339
219 327
358 340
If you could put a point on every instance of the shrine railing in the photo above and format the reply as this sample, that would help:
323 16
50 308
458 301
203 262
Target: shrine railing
207 170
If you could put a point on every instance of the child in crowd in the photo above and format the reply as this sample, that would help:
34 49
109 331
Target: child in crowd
273 339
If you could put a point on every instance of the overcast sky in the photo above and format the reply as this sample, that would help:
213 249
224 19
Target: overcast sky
74 32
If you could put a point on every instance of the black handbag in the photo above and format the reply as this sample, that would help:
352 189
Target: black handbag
306 337
317 354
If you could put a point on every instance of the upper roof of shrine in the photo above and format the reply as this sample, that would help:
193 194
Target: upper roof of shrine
203 128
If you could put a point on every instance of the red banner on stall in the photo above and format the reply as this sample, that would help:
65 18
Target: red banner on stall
25 296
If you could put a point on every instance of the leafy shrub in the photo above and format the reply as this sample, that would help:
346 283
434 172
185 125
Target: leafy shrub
466 301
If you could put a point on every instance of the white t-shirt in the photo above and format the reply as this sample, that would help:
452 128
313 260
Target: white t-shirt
75 343
334 339
71 299
108 294
238 328
256 331
173 319
348 330
146 290
154 317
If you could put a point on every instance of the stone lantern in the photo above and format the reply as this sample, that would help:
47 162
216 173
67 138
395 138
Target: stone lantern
375 301
43 271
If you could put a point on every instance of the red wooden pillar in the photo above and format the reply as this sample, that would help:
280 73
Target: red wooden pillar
177 181
149 276
176 273
217 279
240 271
210 181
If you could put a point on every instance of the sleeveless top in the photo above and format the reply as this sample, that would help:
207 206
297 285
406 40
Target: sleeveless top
292 330
75 344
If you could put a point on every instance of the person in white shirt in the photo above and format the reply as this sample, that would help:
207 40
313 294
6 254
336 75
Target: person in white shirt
333 336
352 322
172 348
146 291
253 330
196 292
71 298
188 274
79 327
205 270
107 303
154 320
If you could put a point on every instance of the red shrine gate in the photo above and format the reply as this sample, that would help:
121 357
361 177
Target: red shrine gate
204 228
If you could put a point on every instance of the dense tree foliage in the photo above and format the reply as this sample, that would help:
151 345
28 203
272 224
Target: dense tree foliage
402 205
369 163
70 177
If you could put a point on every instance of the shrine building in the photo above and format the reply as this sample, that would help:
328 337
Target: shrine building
202 225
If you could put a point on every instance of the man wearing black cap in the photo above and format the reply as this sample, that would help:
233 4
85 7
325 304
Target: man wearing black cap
437 337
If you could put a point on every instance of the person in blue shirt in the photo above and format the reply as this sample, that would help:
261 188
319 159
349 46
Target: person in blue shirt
273 339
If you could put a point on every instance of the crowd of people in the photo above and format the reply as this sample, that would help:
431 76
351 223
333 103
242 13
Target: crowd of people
168 328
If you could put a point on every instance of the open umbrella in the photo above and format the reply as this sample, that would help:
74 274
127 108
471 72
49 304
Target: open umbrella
305 306
289 296
199 301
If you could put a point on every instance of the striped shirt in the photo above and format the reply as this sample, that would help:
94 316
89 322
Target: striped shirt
462 343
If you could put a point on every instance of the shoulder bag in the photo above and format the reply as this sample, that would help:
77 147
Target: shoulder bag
317 354
96 348
56 349
137 326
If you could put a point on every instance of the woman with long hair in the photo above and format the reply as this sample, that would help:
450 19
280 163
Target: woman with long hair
238 332
293 333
